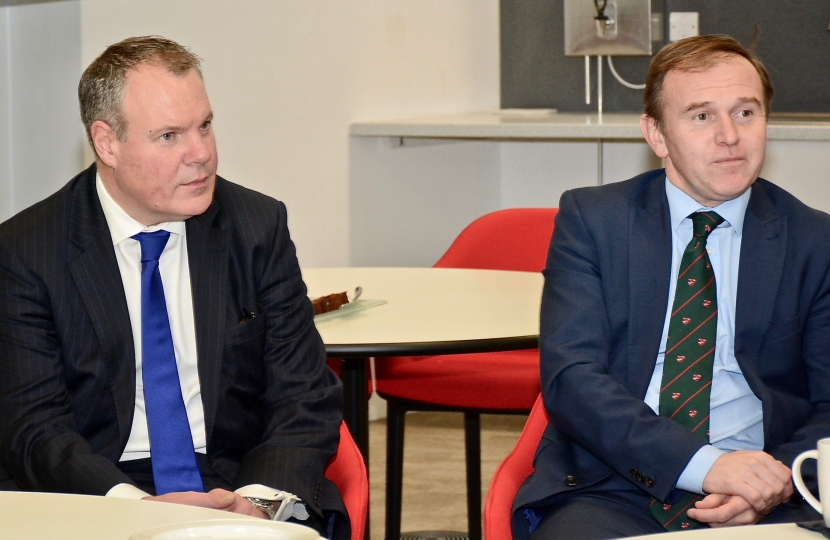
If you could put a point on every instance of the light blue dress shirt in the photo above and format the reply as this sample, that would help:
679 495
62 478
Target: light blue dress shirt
736 421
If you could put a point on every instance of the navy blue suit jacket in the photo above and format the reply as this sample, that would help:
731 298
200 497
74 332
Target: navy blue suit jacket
67 359
603 308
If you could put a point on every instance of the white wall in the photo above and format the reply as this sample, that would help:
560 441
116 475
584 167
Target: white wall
42 137
286 78
5 120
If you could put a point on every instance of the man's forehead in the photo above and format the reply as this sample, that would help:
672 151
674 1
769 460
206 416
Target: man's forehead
159 99
728 75
731 65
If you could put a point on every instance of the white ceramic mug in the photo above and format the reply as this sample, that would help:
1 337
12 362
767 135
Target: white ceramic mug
822 454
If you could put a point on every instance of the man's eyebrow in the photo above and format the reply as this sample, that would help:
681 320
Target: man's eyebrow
172 128
751 100
698 105
702 104
167 129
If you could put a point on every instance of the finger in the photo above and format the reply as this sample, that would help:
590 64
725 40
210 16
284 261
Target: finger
748 491
748 517
732 508
712 500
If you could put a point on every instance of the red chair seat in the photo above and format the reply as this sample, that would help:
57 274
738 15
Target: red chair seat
486 381
511 474
347 470
515 239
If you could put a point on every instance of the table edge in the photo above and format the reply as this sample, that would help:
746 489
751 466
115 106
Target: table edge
363 350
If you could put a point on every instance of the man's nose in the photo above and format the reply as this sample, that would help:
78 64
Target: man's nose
727 132
199 149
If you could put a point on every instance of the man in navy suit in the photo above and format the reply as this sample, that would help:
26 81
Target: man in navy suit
258 402
607 457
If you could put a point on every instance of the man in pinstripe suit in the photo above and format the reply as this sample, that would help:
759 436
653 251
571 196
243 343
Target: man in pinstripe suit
263 408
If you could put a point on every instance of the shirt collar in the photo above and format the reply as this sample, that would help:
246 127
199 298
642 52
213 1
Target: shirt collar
121 225
681 205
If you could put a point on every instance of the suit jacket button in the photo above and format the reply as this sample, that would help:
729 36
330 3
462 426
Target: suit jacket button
570 481
650 481
632 472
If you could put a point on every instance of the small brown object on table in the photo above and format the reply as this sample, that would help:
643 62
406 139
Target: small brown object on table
332 302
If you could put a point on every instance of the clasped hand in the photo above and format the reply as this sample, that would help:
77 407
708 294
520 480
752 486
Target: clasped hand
217 499
744 486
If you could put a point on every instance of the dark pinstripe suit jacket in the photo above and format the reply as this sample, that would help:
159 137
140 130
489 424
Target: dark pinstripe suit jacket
67 362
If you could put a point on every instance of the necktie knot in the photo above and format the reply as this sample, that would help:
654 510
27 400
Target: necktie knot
704 223
152 244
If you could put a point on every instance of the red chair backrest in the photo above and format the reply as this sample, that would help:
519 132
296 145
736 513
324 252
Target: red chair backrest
348 472
512 239
511 474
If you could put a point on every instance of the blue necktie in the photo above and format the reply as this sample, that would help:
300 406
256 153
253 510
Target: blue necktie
171 444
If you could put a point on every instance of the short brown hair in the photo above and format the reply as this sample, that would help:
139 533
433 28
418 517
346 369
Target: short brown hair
697 53
101 89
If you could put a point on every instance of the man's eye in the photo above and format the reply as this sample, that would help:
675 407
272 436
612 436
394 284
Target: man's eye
701 116
746 113
206 125
167 136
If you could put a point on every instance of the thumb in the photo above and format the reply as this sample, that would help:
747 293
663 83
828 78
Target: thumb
222 499
712 500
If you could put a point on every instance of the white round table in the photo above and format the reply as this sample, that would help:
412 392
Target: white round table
53 516
785 531
427 311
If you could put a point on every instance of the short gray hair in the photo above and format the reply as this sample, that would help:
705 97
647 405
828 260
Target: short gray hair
101 89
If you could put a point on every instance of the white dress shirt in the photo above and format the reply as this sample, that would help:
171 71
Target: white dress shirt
175 278
736 421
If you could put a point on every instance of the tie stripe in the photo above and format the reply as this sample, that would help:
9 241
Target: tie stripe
705 387
698 293
682 511
690 334
691 266
686 387
693 364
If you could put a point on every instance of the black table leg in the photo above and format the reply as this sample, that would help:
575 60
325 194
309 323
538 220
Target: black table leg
355 376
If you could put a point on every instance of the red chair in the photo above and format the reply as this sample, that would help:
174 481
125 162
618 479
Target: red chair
348 472
511 474
505 382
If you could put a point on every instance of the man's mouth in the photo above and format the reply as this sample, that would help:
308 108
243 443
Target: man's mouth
199 182
729 161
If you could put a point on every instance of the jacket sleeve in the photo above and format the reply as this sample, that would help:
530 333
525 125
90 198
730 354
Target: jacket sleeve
806 349
302 399
40 447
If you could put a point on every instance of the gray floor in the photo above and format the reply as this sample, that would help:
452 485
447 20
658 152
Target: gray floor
434 495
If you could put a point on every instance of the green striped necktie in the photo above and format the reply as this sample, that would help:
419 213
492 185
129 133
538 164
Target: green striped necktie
690 355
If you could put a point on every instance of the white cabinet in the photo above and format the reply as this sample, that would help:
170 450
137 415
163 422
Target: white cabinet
416 183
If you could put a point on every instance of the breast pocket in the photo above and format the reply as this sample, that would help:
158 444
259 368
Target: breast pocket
245 330
783 330
780 361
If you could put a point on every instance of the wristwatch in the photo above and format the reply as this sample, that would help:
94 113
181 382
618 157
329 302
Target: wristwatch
265 505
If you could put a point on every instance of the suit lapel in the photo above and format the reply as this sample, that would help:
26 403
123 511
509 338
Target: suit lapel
207 252
98 280
649 267
763 250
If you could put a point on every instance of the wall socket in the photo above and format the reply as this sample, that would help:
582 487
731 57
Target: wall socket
683 24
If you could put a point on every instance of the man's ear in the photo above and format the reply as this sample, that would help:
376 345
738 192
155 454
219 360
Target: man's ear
654 137
105 143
